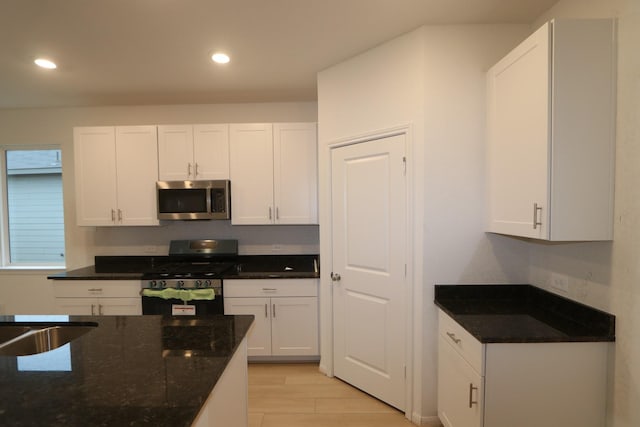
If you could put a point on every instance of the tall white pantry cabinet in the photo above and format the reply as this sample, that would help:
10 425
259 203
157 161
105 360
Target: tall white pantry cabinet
551 122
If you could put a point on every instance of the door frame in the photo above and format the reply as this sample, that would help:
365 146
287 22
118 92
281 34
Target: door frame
413 292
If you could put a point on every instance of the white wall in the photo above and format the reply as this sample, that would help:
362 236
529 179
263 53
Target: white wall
432 79
607 274
23 292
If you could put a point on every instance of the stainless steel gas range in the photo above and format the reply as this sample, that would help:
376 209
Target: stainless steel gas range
190 281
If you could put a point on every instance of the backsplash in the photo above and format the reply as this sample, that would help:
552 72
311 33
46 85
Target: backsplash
252 240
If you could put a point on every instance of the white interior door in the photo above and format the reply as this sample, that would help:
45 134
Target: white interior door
369 257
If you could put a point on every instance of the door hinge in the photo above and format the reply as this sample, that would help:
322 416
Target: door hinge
404 165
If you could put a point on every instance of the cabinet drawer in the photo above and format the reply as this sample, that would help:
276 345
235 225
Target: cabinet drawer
464 343
96 288
270 288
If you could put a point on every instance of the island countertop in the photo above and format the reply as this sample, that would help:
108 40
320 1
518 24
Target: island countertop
522 314
129 370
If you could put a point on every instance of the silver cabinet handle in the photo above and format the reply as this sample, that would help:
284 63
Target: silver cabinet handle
120 215
471 401
453 337
266 314
335 277
189 169
536 220
113 215
270 216
273 311
269 290
100 309
95 289
277 213
196 170
92 310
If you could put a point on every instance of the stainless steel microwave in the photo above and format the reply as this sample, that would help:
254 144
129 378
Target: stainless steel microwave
189 200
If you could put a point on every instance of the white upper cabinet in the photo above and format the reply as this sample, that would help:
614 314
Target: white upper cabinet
115 173
551 120
193 152
295 172
273 173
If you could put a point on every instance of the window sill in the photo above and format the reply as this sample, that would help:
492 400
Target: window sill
27 269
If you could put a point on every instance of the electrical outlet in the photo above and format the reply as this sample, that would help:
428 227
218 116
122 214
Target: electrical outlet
560 282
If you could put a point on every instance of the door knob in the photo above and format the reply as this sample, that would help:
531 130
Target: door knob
335 277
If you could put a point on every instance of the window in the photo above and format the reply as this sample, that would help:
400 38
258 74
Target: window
33 210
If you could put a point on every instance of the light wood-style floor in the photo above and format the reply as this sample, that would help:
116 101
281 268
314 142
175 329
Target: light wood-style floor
288 395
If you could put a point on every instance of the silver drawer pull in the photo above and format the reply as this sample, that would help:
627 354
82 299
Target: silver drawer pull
471 401
536 221
95 289
453 337
269 290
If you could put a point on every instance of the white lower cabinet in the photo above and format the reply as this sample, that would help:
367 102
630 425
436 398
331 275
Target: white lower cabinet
519 384
286 314
97 297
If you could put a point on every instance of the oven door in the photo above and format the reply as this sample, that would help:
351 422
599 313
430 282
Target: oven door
175 307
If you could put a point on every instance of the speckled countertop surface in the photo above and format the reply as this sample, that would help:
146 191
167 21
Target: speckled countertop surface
128 371
243 267
522 313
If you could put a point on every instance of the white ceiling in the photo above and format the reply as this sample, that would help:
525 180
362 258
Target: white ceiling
127 52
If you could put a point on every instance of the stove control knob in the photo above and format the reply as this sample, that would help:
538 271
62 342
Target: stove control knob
152 283
207 283
180 284
162 284
198 283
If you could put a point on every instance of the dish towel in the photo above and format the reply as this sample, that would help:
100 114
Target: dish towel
182 294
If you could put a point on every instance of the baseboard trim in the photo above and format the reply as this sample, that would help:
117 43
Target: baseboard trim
426 421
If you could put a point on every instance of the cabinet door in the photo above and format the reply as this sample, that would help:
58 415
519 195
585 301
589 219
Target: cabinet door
77 306
518 139
259 337
211 151
251 171
95 175
295 173
460 389
137 173
294 326
119 306
175 153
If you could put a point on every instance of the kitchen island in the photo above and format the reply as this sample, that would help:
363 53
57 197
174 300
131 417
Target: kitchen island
128 370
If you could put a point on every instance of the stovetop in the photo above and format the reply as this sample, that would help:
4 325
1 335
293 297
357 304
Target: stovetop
189 269
195 259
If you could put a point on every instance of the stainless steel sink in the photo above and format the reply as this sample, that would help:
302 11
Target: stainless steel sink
38 339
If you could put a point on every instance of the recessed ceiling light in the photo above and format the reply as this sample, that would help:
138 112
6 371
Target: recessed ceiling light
45 63
220 58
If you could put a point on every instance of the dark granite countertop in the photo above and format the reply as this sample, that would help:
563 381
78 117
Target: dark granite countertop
522 313
128 371
244 267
